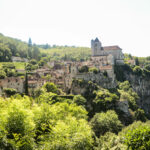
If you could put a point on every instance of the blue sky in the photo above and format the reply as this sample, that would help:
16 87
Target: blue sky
75 22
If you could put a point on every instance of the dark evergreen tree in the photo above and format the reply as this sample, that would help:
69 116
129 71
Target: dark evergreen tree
26 84
30 42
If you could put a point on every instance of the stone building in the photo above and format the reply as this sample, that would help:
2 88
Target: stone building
12 82
99 51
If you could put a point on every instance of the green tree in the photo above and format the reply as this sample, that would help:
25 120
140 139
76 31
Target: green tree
30 42
138 138
84 69
79 100
137 70
51 87
140 115
104 100
106 122
26 84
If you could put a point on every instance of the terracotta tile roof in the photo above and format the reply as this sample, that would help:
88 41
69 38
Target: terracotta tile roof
115 47
32 82
109 67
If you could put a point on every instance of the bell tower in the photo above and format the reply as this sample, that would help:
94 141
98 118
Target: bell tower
96 47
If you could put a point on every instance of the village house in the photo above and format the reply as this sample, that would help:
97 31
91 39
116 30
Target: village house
12 82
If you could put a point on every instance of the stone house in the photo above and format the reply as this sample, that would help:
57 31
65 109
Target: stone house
12 82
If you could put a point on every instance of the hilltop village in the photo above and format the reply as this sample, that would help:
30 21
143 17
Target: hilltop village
99 69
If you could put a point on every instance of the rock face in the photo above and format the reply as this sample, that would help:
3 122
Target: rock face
141 86
124 107
98 78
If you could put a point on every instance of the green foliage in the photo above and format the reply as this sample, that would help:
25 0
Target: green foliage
110 141
2 74
105 100
119 71
68 53
140 115
79 100
51 87
84 69
147 67
137 70
17 125
94 70
5 53
138 138
127 94
72 134
12 47
105 74
33 61
125 86
9 91
102 123
24 125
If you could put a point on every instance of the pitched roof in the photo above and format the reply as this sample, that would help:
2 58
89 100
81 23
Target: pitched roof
96 40
108 67
115 47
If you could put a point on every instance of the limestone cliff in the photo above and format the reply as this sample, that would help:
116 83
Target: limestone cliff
141 86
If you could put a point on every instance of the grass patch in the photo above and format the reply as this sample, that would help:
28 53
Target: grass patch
18 65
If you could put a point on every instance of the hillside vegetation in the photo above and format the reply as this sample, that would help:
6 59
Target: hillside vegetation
68 53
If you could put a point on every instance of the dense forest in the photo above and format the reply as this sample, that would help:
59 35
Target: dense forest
51 119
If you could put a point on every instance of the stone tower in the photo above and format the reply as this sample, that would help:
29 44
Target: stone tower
96 47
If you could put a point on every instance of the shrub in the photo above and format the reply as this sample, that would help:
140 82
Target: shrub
140 115
94 70
51 87
138 138
137 70
79 100
111 141
2 74
84 69
10 91
106 122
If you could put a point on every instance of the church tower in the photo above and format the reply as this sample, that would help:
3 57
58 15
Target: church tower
96 47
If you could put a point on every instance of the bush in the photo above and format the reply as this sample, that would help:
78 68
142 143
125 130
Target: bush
51 87
94 70
140 115
111 141
137 70
84 69
9 91
2 74
17 125
106 122
79 100
138 138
